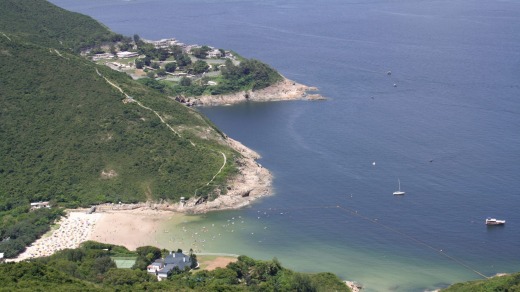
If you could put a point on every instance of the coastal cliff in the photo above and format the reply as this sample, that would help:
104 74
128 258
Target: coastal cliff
283 90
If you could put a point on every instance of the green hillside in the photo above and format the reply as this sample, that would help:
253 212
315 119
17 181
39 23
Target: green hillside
505 283
43 23
69 135
91 267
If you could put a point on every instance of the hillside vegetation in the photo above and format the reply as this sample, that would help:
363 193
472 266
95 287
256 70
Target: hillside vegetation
91 267
249 75
69 136
45 24
510 283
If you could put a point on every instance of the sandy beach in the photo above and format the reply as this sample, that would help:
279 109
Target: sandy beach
132 228
129 228
72 230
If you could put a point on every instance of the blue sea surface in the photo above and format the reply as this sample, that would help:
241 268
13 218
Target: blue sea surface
449 130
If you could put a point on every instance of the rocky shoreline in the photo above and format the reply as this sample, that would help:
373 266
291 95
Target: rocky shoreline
252 182
281 91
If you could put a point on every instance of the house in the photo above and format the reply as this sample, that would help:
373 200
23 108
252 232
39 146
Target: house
155 267
126 54
39 205
164 43
189 48
103 56
163 267
214 53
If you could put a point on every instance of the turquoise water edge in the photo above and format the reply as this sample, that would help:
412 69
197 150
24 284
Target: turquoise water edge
449 130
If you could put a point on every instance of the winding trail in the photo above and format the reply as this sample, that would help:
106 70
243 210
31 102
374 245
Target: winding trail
59 54
7 36
132 100
219 171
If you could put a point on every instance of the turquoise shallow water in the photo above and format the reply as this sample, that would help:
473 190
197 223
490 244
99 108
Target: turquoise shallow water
449 131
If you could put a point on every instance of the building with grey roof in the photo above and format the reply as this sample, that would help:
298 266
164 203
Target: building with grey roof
163 267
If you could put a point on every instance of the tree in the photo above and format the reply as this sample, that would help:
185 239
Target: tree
147 50
201 52
139 63
176 51
152 83
222 53
193 259
97 50
147 61
147 254
150 74
170 67
200 67
183 60
163 54
137 38
126 44
161 72
155 65
118 277
302 282
185 81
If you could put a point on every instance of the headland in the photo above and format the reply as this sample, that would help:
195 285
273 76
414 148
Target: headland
285 90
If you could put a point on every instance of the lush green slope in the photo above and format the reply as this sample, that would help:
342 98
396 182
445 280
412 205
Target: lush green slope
63 126
505 283
91 267
67 136
43 23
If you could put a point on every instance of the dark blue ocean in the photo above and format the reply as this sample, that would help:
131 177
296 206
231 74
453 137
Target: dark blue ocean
449 130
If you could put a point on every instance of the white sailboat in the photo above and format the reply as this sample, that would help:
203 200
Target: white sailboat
399 192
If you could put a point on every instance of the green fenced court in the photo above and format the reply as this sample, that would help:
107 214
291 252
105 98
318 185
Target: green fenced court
124 262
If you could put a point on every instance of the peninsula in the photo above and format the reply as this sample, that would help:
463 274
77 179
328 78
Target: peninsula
198 75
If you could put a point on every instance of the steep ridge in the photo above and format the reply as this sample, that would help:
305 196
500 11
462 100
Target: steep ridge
46 24
69 136
80 134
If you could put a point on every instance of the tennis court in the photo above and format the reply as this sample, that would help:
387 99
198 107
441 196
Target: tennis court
124 262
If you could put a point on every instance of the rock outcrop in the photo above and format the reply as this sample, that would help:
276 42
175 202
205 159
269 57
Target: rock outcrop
283 90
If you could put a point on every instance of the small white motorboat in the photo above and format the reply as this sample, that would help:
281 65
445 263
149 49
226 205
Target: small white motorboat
493 221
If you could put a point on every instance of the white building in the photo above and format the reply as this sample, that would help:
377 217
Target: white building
126 54
39 205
